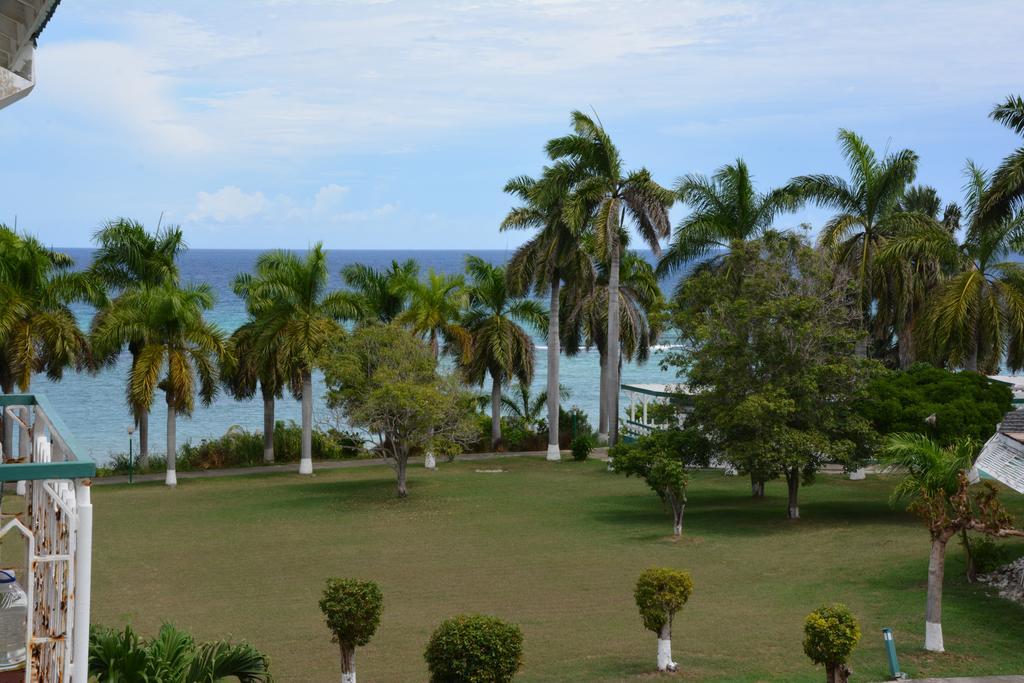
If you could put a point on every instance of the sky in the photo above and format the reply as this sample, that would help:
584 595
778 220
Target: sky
376 124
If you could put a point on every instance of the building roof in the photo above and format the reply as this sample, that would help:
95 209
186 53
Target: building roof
1002 459
21 22
664 390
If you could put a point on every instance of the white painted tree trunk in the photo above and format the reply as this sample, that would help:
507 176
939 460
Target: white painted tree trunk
933 609
268 428
665 662
612 343
401 465
554 351
306 463
602 419
859 474
348 664
172 447
793 485
429 461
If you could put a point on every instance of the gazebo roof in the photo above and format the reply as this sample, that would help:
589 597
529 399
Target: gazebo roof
21 22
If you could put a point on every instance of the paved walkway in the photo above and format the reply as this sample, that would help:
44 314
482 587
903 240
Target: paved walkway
971 679
318 466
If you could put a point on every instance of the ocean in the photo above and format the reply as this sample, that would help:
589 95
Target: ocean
93 405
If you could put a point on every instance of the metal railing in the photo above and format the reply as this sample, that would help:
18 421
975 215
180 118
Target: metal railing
57 529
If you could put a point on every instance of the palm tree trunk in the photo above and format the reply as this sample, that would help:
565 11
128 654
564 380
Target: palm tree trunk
612 344
172 446
972 355
306 463
495 413
933 608
143 419
554 451
602 421
906 346
268 425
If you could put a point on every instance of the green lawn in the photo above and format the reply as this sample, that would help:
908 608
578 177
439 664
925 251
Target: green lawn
555 548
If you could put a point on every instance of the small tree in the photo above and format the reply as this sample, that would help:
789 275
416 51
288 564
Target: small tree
661 459
936 485
474 649
830 634
352 609
660 593
386 381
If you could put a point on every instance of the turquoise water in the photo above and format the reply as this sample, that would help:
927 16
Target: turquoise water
94 408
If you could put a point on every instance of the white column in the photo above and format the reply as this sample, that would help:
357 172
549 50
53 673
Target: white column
83 584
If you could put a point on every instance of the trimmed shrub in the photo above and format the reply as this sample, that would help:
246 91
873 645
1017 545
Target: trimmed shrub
660 593
582 445
830 634
352 609
474 649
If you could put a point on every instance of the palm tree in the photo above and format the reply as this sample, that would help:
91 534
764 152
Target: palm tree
127 258
1006 196
496 344
525 408
935 483
434 307
553 255
179 350
976 315
38 329
173 656
867 211
379 295
725 209
295 318
246 369
640 317
603 199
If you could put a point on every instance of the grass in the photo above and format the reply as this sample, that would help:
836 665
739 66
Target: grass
555 548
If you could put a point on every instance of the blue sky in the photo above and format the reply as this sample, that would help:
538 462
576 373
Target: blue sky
377 124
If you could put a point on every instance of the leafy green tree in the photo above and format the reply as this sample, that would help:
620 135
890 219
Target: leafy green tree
474 649
352 609
386 381
867 211
1006 197
936 487
830 634
772 367
294 318
641 318
179 353
725 208
173 656
975 317
660 593
497 346
555 254
605 199
38 329
938 403
128 258
662 459
379 295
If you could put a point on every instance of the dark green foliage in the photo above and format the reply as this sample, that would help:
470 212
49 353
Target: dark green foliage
660 593
965 404
830 634
582 445
474 649
986 553
173 656
352 609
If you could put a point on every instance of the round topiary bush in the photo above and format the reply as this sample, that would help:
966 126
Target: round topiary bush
474 649
352 609
581 446
830 634
660 593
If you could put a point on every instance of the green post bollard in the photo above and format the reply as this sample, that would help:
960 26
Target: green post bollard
890 649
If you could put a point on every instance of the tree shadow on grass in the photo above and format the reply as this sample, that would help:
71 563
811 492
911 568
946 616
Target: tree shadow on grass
318 494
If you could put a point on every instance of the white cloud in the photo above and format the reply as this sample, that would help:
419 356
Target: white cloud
329 199
228 204
297 78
